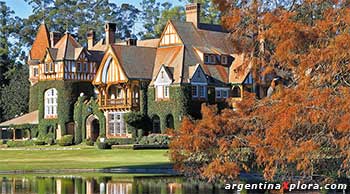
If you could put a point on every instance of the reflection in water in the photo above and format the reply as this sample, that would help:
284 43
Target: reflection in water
102 185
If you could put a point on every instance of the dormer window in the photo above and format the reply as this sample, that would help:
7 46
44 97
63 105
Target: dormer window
224 59
79 67
35 71
209 59
212 59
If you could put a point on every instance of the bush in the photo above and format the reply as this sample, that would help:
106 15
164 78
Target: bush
155 139
39 142
2 142
19 143
66 140
120 141
50 141
89 142
103 145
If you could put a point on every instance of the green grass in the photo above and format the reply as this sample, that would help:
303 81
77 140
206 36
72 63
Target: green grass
86 158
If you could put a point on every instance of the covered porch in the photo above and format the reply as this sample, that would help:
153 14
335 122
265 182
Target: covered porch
124 96
19 128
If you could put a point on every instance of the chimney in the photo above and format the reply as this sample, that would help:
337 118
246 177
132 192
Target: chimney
110 29
131 42
193 13
54 38
91 39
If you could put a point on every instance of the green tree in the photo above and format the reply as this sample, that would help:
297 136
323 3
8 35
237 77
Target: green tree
78 17
209 11
155 15
14 97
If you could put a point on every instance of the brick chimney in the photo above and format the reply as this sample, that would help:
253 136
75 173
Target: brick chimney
91 39
54 38
110 29
193 13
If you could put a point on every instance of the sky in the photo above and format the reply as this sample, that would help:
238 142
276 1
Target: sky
23 10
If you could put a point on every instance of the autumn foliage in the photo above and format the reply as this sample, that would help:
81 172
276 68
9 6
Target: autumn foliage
304 129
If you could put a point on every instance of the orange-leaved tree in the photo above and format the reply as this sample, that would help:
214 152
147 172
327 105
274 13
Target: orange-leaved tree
304 130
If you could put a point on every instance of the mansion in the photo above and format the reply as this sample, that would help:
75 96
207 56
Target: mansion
87 91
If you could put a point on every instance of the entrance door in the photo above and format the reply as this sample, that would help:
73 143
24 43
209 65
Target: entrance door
95 129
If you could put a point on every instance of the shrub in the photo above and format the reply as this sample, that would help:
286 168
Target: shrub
2 142
39 142
155 139
103 145
66 140
50 141
120 141
89 142
19 143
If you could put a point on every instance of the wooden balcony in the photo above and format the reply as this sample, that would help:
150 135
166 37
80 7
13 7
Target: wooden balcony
119 104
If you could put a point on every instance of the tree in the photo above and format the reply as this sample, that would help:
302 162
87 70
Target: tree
209 13
15 96
155 16
303 130
78 17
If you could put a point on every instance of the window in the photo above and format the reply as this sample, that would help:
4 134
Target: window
194 91
212 59
236 92
50 102
79 67
166 91
201 90
206 59
73 66
46 68
224 60
35 71
86 67
52 67
221 93
218 93
162 92
116 124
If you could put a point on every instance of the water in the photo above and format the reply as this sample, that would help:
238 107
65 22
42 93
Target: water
114 184
102 185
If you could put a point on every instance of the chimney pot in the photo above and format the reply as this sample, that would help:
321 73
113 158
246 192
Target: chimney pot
54 38
193 13
110 29
91 39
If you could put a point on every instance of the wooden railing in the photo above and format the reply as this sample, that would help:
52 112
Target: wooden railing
119 103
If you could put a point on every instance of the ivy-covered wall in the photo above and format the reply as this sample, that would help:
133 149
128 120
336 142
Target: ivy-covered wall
68 93
178 105
82 110
33 98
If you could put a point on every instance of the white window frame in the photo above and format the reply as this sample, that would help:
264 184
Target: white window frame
201 90
116 124
162 91
35 71
212 59
206 58
50 103
222 93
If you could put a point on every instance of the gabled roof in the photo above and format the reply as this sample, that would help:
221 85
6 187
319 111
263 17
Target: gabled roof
29 118
194 38
137 62
240 69
67 48
41 42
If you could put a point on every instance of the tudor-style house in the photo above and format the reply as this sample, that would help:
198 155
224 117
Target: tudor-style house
165 79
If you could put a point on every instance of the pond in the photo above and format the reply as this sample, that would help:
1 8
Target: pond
105 184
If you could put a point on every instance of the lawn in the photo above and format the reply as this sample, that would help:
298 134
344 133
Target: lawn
81 159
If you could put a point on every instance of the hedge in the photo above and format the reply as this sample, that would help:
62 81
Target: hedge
66 140
19 143
120 141
155 139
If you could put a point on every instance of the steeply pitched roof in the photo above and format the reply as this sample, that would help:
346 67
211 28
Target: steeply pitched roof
194 38
137 62
30 118
240 69
41 42
68 48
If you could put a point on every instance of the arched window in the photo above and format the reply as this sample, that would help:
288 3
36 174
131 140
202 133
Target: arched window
50 103
236 92
156 124
136 95
170 121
